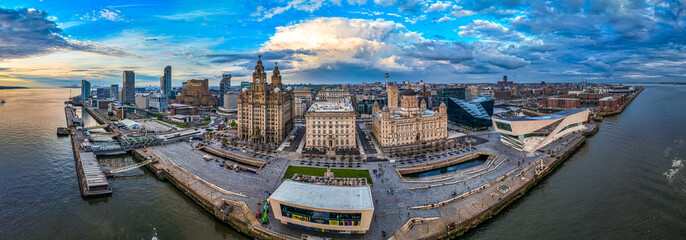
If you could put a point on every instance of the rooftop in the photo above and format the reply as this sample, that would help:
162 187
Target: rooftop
557 115
330 107
324 196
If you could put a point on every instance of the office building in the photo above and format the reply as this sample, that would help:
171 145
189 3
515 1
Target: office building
158 102
85 90
224 87
128 88
443 94
303 98
330 126
534 133
166 82
142 101
196 93
102 93
265 111
114 91
474 114
230 101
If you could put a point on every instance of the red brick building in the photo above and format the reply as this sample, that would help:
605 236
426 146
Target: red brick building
561 103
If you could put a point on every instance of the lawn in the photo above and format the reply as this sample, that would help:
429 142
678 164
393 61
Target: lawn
337 172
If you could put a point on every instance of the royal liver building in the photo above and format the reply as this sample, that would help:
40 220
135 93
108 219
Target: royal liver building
265 111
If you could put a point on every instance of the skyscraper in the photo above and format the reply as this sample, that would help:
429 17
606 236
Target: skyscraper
85 90
114 91
224 87
165 82
128 88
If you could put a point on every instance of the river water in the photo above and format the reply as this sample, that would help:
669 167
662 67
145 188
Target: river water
627 182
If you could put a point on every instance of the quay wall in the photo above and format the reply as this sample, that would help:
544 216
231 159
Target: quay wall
235 214
457 230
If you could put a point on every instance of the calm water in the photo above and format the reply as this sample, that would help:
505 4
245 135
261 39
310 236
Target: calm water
39 193
627 182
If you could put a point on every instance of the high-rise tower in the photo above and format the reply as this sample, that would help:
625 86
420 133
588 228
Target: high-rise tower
165 82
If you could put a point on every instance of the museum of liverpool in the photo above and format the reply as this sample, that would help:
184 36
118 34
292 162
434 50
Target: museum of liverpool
533 133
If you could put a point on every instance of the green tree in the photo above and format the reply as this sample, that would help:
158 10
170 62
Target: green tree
233 124
159 116
225 141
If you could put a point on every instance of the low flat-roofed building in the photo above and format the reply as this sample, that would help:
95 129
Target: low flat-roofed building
330 126
534 133
339 209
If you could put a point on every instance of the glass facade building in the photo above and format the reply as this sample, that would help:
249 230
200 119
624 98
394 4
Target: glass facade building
85 90
444 94
474 114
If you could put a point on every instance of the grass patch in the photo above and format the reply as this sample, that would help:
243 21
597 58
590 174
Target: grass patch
337 172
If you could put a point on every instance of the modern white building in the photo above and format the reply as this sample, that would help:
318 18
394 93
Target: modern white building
534 133
323 208
158 102
230 101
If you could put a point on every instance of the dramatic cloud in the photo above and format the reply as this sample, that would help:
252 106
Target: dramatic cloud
26 32
329 43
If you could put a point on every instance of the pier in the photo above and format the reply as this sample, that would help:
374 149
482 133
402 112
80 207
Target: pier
92 180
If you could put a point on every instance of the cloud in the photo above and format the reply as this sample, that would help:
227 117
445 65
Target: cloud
385 3
303 5
445 19
439 6
338 40
193 15
487 30
341 43
27 32
104 14
458 12
597 65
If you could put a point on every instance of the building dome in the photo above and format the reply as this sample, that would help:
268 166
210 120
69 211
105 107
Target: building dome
277 89
408 92
244 89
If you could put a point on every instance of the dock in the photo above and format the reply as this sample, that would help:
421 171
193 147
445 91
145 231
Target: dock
92 180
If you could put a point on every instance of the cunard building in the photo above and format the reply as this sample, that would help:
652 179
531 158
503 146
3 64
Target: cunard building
265 111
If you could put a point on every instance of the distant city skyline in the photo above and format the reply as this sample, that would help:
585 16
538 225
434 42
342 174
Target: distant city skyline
49 43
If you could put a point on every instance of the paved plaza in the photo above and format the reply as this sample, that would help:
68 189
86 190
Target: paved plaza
396 199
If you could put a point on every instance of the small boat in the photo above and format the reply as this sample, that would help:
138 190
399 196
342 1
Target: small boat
2 102
62 131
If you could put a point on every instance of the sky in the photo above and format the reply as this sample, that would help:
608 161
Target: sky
53 43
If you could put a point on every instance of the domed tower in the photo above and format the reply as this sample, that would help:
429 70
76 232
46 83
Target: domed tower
259 77
276 78
375 107
443 110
